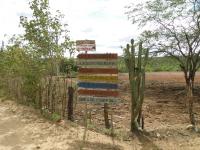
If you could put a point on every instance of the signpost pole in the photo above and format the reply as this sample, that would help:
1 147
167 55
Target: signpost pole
85 123
112 129
98 80
85 120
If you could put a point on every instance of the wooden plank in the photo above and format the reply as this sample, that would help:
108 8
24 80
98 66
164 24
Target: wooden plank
80 42
107 79
97 63
98 100
97 56
85 45
98 70
97 85
101 93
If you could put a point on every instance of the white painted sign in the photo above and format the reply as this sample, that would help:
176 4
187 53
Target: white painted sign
98 100
85 45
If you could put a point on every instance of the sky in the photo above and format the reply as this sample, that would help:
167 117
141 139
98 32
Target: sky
104 21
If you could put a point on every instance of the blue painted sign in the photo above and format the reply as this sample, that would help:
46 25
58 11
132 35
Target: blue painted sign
98 85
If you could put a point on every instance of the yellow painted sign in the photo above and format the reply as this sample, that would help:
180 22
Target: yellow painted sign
108 79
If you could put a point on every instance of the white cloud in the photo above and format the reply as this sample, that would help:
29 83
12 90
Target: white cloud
100 20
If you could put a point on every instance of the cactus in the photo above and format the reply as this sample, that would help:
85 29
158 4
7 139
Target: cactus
136 68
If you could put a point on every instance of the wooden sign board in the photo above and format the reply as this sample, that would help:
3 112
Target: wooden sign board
97 85
97 63
101 93
85 45
98 78
98 100
98 56
82 42
98 70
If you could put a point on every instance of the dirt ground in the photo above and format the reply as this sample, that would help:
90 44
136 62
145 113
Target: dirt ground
23 128
165 116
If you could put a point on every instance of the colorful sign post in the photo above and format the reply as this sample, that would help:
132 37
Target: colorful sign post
85 45
98 78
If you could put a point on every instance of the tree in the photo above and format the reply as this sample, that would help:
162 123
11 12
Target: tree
46 33
172 27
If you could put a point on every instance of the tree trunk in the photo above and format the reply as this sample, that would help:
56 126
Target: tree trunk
190 103
189 79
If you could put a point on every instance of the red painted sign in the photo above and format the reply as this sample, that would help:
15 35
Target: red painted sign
101 93
97 56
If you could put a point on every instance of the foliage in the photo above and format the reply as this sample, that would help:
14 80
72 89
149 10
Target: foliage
16 62
46 33
66 63
159 64
172 27
55 117
175 30
155 64
37 53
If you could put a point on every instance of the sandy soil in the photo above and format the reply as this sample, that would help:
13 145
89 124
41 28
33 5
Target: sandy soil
22 128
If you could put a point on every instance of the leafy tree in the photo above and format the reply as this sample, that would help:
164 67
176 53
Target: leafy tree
172 27
46 33
68 63
18 64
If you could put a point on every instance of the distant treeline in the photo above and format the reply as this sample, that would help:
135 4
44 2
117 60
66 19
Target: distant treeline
155 64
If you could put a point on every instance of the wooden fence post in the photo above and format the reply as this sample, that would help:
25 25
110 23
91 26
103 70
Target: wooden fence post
70 103
107 124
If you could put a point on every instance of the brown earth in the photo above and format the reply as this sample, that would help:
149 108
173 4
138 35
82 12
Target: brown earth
165 115
177 77
164 111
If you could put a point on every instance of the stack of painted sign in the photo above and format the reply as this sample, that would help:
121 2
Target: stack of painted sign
98 78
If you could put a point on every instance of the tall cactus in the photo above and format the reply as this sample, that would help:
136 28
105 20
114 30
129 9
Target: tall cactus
136 66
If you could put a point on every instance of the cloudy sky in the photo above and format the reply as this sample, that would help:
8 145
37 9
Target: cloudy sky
101 20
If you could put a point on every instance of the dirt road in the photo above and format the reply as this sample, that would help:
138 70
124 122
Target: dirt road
22 128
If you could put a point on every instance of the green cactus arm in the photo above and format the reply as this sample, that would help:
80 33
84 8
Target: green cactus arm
140 57
146 57
133 54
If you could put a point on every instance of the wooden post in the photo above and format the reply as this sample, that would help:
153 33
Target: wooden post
70 103
64 98
112 130
85 123
107 124
40 97
53 100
